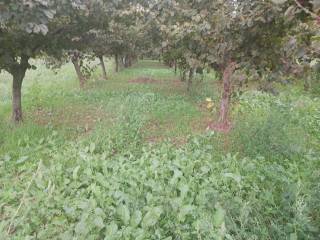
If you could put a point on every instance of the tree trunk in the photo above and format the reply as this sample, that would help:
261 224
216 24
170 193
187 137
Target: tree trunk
306 84
225 101
190 79
103 66
183 74
175 67
124 61
16 97
307 81
116 58
130 61
127 61
18 73
81 78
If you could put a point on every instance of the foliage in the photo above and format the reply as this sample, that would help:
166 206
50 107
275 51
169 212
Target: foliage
161 193
111 184
128 158
45 28
275 127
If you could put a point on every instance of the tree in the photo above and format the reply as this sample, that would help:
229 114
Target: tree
304 45
126 32
29 29
225 35
91 37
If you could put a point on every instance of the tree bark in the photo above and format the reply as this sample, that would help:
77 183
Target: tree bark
226 94
16 97
183 74
116 58
307 77
175 67
81 78
306 84
127 61
124 61
103 66
190 79
18 73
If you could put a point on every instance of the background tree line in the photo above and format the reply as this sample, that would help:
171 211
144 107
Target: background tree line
266 41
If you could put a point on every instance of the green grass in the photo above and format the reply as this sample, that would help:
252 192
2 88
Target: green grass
129 158
54 100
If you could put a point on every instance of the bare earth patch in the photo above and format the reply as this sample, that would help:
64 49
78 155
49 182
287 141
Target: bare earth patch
146 80
219 127
177 141
213 124
157 132
79 117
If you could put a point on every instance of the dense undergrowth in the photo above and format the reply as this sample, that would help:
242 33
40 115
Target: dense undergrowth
260 181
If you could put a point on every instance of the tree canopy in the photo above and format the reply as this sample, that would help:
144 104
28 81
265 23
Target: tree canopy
262 36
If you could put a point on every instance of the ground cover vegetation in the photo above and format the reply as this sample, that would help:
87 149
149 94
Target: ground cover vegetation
159 119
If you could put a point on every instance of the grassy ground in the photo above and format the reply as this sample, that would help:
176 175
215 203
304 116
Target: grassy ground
149 89
129 158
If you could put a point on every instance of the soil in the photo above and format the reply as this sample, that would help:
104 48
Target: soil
145 80
219 127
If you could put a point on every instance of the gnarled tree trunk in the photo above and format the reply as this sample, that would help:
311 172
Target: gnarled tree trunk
82 81
103 66
226 94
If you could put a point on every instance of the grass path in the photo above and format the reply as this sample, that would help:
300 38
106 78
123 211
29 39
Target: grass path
148 97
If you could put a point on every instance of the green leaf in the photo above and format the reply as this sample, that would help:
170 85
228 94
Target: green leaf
22 159
184 211
111 229
152 217
218 217
183 189
99 212
81 228
75 172
124 214
98 221
235 177
92 147
136 218
293 236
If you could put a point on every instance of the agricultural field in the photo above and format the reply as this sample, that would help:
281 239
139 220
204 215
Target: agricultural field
130 158
159 120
